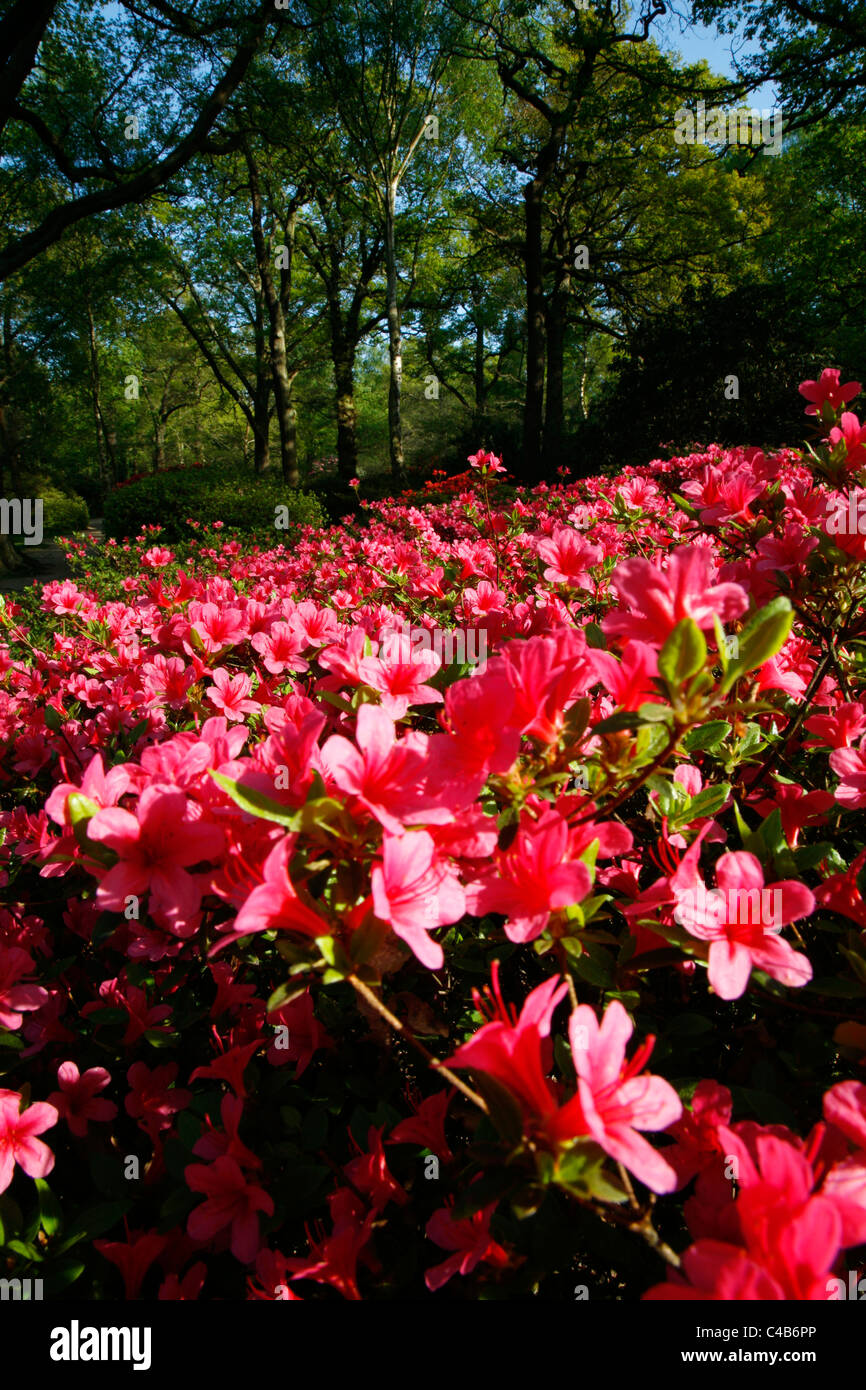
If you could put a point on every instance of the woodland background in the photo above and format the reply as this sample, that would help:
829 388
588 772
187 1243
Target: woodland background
322 237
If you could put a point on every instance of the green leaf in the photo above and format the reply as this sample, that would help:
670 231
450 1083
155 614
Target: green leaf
683 654
707 802
617 723
742 826
53 719
669 794
772 834
62 1276
11 1218
255 803
577 717
595 637
656 714
49 1207
24 1249
96 1221
597 969
504 1109
284 993
333 953
762 638
706 737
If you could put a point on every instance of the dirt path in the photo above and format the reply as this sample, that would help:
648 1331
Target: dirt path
49 563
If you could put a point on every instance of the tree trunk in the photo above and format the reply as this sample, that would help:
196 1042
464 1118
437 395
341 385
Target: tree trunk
479 382
347 417
289 438
395 342
262 394
554 411
159 444
104 438
261 426
535 332
286 415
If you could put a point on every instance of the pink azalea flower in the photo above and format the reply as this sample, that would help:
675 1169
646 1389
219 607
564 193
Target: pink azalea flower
229 694
841 892
653 600
275 903
697 1131
741 919
716 1272
569 557
17 998
531 880
103 788
333 1259
279 648
849 764
18 1142
426 1127
516 1051
850 434
214 1143
845 1107
217 627
370 1176
383 776
133 1257
415 892
484 462
401 676
154 1100
613 1100
155 848
629 681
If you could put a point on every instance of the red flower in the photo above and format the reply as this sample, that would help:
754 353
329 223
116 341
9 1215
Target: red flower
469 1238
76 1101
232 1200
133 1257
827 389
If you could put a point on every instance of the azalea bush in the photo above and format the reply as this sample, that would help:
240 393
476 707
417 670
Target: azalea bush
336 962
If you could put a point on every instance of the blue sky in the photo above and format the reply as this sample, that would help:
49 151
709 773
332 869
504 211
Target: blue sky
696 41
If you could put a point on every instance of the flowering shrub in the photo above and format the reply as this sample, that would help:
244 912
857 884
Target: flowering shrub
328 970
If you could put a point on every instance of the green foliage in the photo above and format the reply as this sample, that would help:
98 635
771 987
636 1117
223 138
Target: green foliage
173 499
62 511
